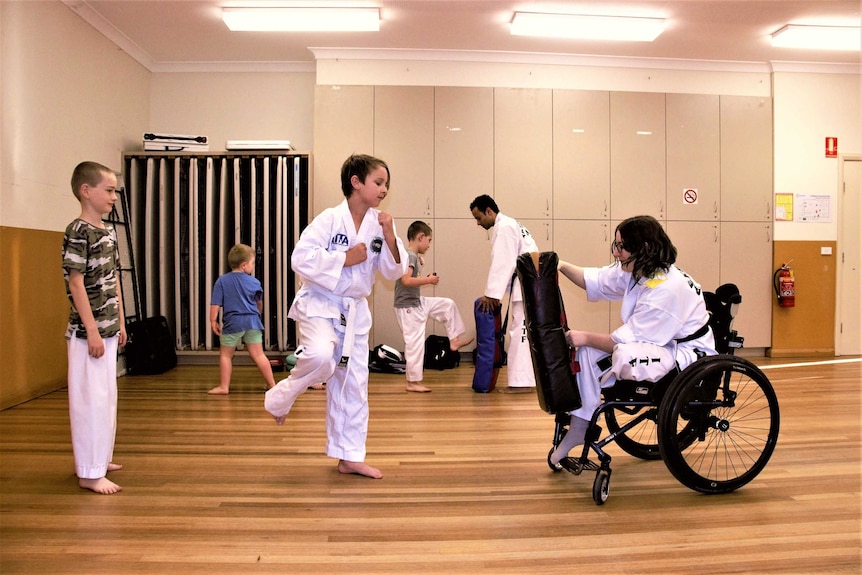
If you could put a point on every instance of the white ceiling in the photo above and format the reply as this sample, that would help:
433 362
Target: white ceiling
166 35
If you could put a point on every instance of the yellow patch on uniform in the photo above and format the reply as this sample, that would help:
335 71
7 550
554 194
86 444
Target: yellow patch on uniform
655 281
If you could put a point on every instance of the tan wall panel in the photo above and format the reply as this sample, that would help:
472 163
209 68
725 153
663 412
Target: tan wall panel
809 327
33 313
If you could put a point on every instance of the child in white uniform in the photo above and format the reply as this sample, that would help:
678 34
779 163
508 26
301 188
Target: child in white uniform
664 317
412 310
337 256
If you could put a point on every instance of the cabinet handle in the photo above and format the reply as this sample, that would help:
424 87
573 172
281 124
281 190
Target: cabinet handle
427 206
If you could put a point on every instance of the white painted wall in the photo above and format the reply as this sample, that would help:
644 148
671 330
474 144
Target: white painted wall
808 107
68 94
234 106
78 96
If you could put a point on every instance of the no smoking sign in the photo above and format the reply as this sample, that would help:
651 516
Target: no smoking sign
689 196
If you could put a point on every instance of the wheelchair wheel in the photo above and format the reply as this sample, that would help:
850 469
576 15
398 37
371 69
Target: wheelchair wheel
601 486
640 441
726 411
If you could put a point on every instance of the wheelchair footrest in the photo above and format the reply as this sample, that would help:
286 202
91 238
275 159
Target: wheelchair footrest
576 465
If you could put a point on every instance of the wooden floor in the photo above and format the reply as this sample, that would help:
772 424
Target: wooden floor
211 485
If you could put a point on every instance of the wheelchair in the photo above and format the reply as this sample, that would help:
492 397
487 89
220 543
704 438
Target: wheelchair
715 423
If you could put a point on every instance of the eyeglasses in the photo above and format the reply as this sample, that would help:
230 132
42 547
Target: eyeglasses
618 246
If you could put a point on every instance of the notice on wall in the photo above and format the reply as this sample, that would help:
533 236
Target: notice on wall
814 208
783 207
689 196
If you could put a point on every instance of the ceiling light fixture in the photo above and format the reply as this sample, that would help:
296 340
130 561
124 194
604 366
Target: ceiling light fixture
622 28
302 19
818 37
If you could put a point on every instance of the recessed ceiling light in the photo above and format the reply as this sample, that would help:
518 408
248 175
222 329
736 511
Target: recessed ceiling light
818 37
302 19
622 28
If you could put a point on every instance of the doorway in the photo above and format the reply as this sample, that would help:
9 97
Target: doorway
848 340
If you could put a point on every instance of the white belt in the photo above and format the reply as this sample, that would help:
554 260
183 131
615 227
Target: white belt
349 324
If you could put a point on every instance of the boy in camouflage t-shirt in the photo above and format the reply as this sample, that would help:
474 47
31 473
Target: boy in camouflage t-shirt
96 327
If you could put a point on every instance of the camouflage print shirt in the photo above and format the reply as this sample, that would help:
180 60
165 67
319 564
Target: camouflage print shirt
93 252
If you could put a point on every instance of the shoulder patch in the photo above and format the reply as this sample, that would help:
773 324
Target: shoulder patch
655 281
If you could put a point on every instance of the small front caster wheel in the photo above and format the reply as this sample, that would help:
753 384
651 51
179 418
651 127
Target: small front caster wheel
601 486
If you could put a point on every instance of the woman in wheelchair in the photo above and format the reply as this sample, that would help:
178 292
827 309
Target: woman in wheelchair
665 320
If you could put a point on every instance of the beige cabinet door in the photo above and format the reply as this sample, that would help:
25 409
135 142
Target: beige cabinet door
582 184
523 156
542 231
404 139
746 158
462 257
698 246
343 125
637 155
746 260
693 157
463 148
586 243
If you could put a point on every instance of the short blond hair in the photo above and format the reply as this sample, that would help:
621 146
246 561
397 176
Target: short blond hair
239 254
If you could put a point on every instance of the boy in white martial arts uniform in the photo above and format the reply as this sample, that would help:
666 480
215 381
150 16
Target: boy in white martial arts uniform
96 327
337 256
664 317
412 310
509 240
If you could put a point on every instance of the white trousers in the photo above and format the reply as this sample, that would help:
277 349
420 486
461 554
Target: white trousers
92 406
412 322
589 380
346 387
519 370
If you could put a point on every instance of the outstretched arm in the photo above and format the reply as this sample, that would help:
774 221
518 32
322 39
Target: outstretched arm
573 272
602 341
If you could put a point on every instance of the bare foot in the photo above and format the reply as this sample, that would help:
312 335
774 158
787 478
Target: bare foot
219 391
458 343
101 485
417 387
358 468
279 419
114 467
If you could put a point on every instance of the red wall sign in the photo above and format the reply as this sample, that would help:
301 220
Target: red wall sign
831 147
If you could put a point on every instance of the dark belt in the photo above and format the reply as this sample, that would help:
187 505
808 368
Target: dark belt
699 333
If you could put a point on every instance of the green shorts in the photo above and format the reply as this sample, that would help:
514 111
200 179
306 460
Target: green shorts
248 336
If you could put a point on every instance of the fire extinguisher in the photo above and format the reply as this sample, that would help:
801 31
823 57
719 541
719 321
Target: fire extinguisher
785 285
